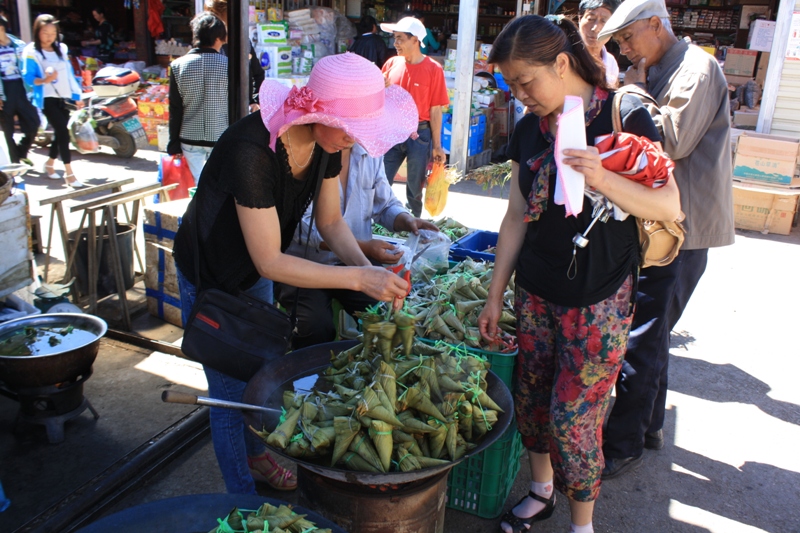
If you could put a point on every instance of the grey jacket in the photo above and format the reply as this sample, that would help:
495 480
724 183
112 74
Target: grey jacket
695 125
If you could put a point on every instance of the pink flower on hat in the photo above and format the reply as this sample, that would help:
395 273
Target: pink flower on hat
302 100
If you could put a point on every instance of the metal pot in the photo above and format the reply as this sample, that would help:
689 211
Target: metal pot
28 371
297 371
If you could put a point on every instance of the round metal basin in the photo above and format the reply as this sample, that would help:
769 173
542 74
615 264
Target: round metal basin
300 370
28 371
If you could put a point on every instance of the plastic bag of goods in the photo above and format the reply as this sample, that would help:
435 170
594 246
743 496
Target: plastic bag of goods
81 133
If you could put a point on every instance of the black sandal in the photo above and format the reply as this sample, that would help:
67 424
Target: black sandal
518 523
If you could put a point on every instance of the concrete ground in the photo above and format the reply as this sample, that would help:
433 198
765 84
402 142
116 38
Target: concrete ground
731 464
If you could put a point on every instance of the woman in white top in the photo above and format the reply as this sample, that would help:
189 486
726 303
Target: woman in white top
593 15
48 70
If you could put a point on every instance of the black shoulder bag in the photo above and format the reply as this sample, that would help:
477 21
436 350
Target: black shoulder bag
238 334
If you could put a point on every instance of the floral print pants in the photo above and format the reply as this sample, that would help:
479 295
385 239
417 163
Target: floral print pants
569 358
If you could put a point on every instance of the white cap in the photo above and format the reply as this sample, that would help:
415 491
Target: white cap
407 25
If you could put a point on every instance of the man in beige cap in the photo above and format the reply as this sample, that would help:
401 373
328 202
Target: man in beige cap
694 120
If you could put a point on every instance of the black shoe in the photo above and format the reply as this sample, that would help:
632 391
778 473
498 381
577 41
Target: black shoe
617 467
521 525
655 440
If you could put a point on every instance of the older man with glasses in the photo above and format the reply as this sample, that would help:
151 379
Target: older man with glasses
694 120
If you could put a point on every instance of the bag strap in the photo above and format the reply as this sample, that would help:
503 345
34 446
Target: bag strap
616 112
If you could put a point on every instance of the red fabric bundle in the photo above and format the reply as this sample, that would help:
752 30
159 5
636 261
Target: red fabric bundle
635 158
155 9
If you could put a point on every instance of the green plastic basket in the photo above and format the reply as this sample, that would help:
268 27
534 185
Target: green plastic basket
502 363
481 484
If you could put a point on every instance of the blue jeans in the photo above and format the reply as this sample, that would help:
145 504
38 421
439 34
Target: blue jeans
640 407
418 152
196 157
233 441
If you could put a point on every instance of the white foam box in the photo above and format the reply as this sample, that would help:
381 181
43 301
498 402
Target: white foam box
761 35
161 221
165 305
16 269
760 210
160 273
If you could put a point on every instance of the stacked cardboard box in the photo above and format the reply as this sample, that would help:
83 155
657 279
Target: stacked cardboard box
766 182
161 222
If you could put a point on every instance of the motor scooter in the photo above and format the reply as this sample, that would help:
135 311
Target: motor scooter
114 112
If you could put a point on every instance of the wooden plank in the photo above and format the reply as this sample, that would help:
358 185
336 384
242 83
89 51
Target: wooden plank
120 197
87 191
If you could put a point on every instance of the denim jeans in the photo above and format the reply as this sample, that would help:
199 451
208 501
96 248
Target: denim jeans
196 156
640 408
233 441
418 152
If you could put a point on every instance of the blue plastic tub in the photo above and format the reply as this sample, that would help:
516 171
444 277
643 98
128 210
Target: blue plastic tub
474 246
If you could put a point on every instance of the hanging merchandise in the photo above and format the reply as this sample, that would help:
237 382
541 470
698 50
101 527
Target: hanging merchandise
154 24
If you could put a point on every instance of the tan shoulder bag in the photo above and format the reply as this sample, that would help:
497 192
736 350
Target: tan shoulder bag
659 240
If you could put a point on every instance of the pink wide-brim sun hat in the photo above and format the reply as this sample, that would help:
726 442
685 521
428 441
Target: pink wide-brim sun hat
344 91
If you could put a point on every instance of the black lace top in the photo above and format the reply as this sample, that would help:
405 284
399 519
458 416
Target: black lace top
242 169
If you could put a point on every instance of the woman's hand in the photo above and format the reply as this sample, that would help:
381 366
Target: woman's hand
79 104
381 284
487 321
381 251
588 163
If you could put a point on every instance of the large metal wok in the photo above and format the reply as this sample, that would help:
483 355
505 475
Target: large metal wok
300 370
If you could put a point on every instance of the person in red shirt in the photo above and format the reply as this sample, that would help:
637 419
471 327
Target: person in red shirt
424 79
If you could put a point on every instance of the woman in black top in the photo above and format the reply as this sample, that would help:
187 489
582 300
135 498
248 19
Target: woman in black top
573 304
255 187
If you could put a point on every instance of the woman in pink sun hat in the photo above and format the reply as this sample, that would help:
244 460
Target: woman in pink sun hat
255 187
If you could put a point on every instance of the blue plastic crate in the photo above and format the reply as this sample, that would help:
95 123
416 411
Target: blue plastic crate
447 131
473 246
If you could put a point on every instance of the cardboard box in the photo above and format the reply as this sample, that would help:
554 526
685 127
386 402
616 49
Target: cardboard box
761 34
767 159
761 69
763 211
161 221
500 118
739 62
745 119
16 269
737 80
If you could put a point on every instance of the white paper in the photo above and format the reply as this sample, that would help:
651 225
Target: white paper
571 135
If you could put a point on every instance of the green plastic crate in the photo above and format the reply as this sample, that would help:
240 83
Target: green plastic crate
481 484
502 363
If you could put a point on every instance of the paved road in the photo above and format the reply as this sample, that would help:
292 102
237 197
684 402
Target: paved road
733 429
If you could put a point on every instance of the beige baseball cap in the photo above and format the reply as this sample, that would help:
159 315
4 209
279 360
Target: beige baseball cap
629 12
